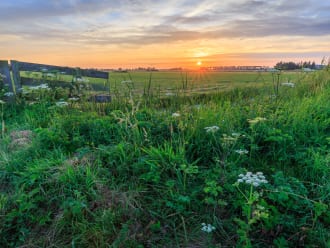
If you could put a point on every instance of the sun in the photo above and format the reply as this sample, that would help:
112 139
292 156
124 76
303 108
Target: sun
199 63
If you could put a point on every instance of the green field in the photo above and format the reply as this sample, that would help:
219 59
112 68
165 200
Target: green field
165 83
194 82
245 165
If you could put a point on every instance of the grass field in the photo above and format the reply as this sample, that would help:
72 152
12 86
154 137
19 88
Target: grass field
241 167
194 82
171 83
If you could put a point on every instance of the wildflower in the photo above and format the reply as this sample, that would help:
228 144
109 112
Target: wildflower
73 99
288 84
208 228
253 179
61 104
43 86
212 129
169 94
2 102
2 76
242 151
176 115
256 120
9 94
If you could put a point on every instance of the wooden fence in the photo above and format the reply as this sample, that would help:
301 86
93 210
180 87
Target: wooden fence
18 79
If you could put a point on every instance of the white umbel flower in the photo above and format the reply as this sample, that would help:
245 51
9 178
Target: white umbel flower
253 179
208 228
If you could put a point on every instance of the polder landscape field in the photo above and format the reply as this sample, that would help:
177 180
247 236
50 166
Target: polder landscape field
196 159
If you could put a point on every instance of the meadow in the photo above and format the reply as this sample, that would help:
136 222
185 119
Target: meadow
243 165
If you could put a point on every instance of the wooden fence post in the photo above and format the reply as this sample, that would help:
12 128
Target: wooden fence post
4 70
16 76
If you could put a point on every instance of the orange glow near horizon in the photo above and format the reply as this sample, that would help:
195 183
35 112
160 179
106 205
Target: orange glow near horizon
178 54
162 34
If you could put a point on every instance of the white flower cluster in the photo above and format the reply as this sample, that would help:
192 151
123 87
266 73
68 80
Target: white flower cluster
288 84
73 99
169 94
2 76
81 80
39 87
176 114
61 104
212 129
9 94
242 151
208 228
253 179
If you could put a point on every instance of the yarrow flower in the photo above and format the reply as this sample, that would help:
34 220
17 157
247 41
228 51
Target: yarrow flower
208 228
242 151
169 94
176 114
288 84
212 129
252 179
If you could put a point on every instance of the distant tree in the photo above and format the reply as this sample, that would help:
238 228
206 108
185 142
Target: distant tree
293 66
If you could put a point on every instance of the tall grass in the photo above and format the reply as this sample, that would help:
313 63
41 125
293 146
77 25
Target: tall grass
147 171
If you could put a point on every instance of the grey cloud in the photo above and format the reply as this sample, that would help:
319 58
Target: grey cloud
233 20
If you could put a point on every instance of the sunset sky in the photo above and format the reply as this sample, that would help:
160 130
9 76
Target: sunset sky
163 34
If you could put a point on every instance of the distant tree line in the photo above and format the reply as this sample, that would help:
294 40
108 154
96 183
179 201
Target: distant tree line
292 65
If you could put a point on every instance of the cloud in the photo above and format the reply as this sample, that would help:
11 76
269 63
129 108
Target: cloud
137 22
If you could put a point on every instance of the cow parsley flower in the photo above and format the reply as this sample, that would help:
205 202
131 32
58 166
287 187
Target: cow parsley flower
212 129
73 99
208 228
9 94
253 179
61 104
288 84
242 151
176 114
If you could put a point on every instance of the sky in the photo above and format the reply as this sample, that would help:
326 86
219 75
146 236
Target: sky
164 34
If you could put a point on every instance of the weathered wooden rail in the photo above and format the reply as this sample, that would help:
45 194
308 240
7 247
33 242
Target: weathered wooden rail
16 79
